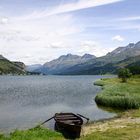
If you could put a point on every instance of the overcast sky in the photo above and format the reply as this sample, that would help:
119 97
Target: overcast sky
37 31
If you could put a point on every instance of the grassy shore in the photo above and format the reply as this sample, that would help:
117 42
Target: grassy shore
119 95
130 132
38 133
125 127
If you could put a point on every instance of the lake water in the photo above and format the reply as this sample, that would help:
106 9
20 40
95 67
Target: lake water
25 101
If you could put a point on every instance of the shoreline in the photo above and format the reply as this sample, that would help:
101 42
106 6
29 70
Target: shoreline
121 122
125 119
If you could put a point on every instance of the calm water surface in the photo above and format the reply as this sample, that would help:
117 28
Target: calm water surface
26 101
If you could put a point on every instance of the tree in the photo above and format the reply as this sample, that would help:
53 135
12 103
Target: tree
134 69
124 74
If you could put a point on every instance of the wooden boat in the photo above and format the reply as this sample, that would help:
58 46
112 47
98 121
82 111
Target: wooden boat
68 123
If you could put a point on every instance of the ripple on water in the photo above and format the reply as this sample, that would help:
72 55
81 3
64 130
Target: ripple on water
27 100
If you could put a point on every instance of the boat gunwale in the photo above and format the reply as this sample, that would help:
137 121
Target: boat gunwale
63 121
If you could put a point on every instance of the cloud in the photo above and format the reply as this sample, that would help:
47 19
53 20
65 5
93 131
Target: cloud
46 34
68 7
81 4
44 39
14 35
88 47
132 18
93 47
3 20
118 38
110 24
57 45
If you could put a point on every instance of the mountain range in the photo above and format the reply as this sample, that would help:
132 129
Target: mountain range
64 62
89 64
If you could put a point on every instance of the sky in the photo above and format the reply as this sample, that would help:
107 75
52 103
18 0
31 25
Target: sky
37 31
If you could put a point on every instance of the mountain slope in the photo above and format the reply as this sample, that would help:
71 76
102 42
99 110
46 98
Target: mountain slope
89 64
132 61
122 53
104 69
8 67
31 68
108 63
64 62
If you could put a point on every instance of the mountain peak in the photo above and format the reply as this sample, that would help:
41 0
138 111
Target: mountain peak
131 45
86 55
137 44
69 56
116 51
1 57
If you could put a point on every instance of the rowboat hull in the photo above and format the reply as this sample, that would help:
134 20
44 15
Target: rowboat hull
68 124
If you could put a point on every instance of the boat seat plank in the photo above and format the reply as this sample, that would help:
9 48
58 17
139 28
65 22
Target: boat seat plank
66 118
70 121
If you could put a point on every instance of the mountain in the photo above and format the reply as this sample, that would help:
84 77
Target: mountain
64 62
88 64
1 57
109 63
20 65
8 67
122 53
31 68
109 68
88 56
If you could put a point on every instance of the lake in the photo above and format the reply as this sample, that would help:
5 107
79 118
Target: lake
25 101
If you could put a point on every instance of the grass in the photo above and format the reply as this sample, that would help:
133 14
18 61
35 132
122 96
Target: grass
134 113
37 133
131 132
119 95
128 132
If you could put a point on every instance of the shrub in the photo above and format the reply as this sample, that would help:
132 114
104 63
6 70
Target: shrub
124 74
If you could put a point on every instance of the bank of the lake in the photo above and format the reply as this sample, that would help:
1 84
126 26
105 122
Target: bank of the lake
124 127
119 95
125 96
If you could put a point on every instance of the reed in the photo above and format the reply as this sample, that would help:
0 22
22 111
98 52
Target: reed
119 95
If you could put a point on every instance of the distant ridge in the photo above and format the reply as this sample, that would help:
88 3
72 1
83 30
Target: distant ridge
89 64
63 62
31 68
